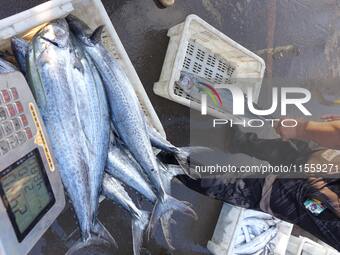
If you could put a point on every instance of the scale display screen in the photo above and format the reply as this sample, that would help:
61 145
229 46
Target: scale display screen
26 193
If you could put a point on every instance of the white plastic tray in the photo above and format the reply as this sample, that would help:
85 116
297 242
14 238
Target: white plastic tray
94 14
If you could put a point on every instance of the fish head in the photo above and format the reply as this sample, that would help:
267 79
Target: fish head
56 32
19 44
80 29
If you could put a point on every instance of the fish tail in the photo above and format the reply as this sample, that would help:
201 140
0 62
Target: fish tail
165 224
81 244
102 233
168 204
138 226
184 158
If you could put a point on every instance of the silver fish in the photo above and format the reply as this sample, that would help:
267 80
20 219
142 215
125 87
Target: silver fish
51 75
182 154
114 190
94 116
127 117
122 166
20 50
256 244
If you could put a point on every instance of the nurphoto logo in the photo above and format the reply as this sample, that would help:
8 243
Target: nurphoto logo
294 96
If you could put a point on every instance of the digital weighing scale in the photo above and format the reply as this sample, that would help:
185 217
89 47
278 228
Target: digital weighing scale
31 191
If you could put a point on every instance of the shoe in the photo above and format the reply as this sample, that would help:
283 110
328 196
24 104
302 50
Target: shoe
167 3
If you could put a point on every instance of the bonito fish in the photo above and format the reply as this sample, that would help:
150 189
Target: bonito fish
20 49
127 117
122 166
114 190
94 116
182 154
50 72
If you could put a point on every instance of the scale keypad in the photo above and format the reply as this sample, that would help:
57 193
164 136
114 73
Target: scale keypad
14 129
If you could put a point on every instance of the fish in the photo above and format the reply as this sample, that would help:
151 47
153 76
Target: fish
122 166
167 173
94 117
257 214
114 190
127 118
183 155
256 244
20 49
7 67
50 73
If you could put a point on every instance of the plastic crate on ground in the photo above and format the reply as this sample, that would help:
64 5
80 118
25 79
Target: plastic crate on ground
200 49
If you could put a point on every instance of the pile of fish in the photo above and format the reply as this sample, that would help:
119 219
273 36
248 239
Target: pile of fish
99 135
256 234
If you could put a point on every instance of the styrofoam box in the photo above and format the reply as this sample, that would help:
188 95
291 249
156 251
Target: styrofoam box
228 224
198 48
94 14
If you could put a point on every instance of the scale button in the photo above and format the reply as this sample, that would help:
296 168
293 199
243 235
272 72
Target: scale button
28 133
4 147
13 141
24 120
11 110
14 92
20 108
16 124
5 95
8 127
21 137
3 114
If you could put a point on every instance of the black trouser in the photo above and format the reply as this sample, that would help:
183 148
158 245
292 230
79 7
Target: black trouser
287 196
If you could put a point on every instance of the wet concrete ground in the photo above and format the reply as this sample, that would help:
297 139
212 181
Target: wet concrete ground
309 25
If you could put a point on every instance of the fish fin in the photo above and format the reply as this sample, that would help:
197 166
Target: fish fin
84 244
184 158
175 170
138 226
102 233
165 223
96 36
168 203
166 180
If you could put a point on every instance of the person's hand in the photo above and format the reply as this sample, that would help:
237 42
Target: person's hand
287 133
330 117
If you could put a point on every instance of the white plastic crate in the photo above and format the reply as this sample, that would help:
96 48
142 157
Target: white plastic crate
200 49
94 14
228 224
305 246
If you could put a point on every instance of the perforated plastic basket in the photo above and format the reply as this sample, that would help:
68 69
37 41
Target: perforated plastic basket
94 14
198 48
